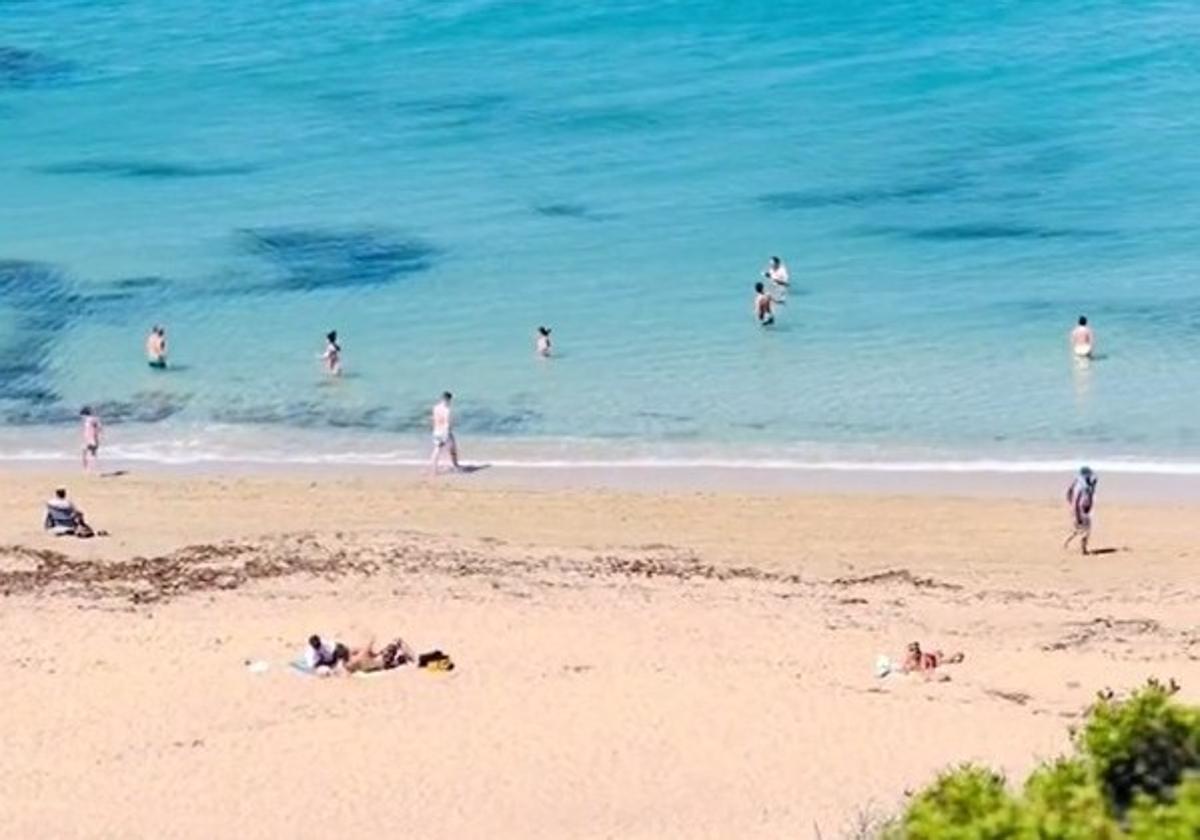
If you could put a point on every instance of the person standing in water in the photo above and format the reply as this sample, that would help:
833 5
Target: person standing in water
1081 496
443 433
156 348
777 274
542 342
91 438
763 306
1083 342
332 357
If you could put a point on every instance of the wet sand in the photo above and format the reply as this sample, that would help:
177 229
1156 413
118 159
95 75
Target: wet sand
636 664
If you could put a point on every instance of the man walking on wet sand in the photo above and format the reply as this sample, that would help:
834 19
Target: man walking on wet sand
1081 495
443 433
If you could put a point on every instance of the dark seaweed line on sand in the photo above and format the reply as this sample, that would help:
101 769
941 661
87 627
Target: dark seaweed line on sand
226 566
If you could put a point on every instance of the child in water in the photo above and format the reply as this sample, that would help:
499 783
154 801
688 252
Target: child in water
542 342
156 348
763 306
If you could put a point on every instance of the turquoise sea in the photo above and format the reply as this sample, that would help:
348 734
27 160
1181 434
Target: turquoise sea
951 184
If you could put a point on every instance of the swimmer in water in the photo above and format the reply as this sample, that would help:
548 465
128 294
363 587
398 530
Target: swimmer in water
777 274
333 354
156 348
443 434
1083 342
542 342
763 306
91 438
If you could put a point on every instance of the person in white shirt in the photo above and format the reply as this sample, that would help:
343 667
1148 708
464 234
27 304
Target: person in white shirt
443 433
777 273
321 657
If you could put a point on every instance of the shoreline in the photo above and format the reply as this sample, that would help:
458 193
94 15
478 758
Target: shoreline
1119 482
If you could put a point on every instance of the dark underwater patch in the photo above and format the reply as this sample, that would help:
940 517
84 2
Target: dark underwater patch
311 414
144 169
601 118
30 414
861 197
304 414
984 231
580 212
487 421
309 258
142 407
139 283
22 68
468 105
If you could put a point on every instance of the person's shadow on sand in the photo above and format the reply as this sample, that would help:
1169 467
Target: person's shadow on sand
467 469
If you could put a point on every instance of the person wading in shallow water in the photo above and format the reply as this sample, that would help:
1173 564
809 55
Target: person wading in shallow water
332 357
156 348
542 342
764 306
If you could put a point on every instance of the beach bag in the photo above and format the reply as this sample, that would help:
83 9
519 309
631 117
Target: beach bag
435 660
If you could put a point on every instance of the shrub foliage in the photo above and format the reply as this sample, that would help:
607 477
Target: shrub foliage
1135 775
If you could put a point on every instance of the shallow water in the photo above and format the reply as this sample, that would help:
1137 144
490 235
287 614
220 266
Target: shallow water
951 187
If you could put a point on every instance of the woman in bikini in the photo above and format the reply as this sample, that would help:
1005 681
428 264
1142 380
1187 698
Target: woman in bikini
392 655
919 660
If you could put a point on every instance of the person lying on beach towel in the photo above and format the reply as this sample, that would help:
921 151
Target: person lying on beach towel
925 661
322 658
63 519
367 659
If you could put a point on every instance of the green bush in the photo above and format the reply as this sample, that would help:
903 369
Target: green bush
1142 745
1135 776
1064 802
1177 819
969 803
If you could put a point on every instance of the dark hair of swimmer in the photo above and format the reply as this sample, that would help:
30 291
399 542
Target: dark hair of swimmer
331 336
544 330
1083 320
758 287
447 396
775 261
85 411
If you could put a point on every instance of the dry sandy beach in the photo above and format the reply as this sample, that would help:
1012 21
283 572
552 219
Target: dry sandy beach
630 664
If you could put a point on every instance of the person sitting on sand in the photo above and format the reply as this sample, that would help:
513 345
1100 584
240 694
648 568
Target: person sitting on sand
64 519
367 659
924 661
323 658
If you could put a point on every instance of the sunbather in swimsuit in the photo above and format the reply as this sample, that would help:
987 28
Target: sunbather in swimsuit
919 660
366 659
